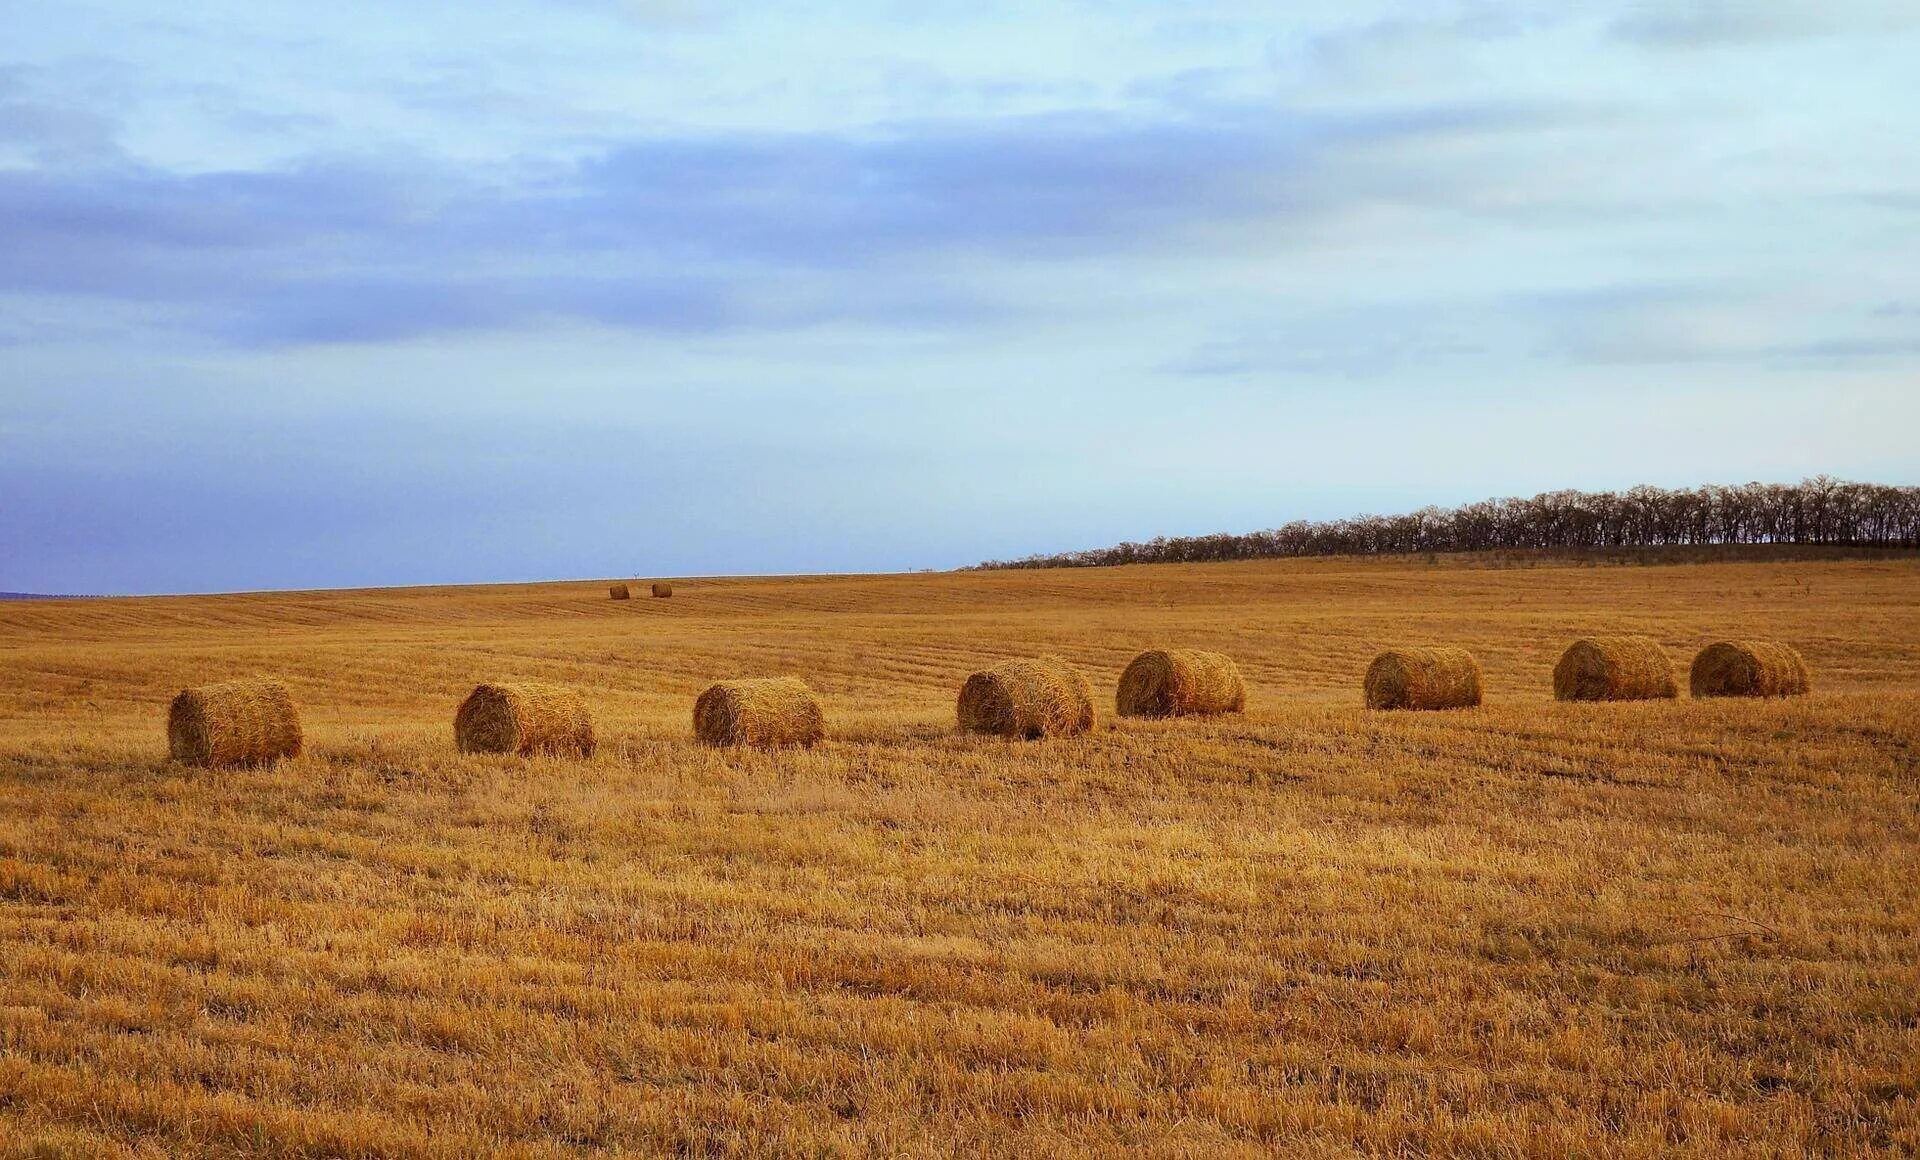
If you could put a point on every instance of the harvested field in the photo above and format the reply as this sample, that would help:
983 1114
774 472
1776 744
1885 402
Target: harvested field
1536 928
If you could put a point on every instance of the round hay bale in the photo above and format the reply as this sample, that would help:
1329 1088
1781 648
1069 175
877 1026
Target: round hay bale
1614 668
1180 682
1749 668
765 712
1423 678
524 718
662 590
247 722
619 591
1042 697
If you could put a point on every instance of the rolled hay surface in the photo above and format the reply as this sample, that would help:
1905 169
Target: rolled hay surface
1041 697
619 591
662 590
1423 678
1180 682
1614 668
248 722
763 712
524 718
1750 668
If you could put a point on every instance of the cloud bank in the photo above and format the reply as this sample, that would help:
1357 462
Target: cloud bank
892 288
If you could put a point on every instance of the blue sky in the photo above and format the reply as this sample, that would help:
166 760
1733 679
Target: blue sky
420 293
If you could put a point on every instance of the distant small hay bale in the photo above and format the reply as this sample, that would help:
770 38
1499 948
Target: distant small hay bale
1178 683
247 722
1749 668
1614 668
619 592
662 590
524 718
765 712
1423 678
1029 699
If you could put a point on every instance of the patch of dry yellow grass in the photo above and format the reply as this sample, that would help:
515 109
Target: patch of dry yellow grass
1541 928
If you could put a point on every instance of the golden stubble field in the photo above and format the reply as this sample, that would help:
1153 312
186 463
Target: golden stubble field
1528 929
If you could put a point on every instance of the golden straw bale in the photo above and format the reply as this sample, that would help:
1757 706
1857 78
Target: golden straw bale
247 722
662 589
1180 682
1750 668
524 717
766 712
1423 678
1042 697
1614 668
619 591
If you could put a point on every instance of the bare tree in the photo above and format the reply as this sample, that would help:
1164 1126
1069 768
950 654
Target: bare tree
1821 510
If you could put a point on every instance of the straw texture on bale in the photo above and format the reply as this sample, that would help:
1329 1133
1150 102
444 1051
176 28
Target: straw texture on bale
1423 678
524 718
765 712
1178 683
1614 668
619 591
1750 668
1042 697
662 590
249 722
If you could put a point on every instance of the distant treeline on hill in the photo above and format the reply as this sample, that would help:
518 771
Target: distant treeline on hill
1815 511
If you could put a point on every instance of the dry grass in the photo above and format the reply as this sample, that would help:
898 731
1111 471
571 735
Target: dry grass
245 722
1537 928
1614 668
1750 668
766 713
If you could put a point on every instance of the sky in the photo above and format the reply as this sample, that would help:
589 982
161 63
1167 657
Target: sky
298 295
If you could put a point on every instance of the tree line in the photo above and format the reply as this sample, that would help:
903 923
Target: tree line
1821 510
